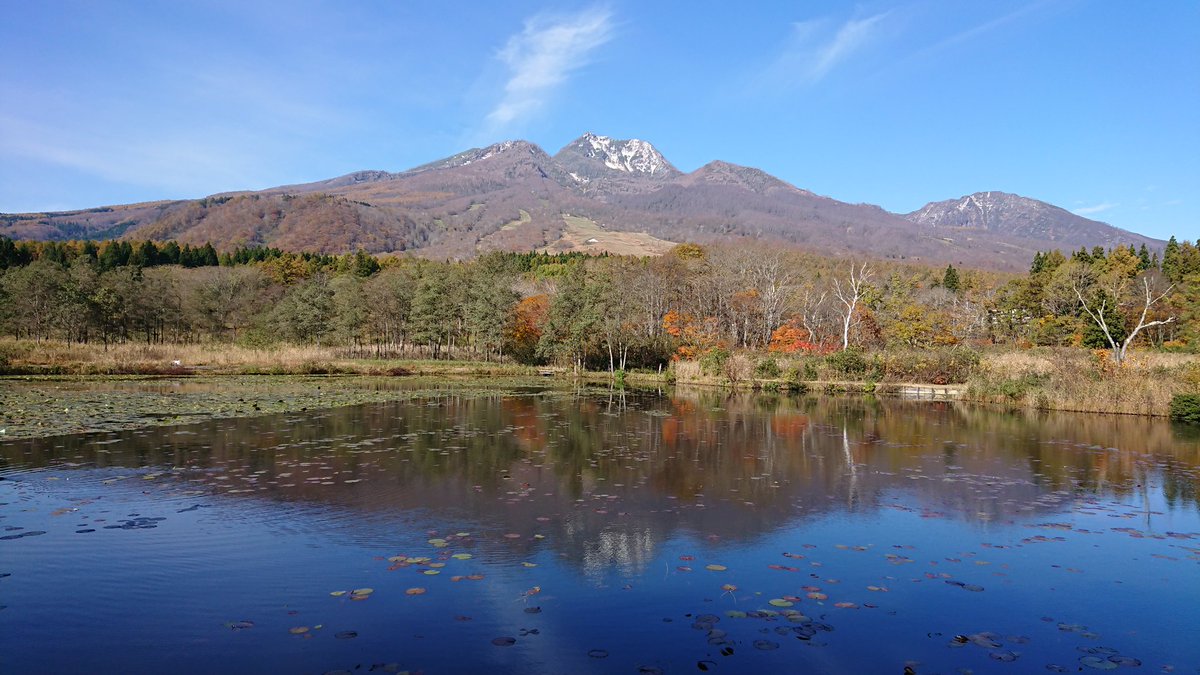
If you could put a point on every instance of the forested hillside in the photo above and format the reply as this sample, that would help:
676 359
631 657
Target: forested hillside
603 312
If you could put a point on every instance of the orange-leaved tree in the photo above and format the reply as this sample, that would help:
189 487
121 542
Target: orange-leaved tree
695 336
525 329
791 338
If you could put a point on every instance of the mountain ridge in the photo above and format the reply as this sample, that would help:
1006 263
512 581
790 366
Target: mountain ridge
513 195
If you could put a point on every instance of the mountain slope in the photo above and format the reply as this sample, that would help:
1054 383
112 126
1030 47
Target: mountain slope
1016 216
597 193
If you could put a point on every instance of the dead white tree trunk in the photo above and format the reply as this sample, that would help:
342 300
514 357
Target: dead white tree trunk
810 317
849 297
1097 316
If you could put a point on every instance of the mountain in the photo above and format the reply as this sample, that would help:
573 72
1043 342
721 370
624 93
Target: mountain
1017 216
600 161
595 194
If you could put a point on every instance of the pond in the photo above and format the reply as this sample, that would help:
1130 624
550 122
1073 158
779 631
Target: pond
551 531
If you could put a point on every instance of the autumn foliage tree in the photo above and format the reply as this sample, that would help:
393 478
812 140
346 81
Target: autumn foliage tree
792 338
695 336
525 329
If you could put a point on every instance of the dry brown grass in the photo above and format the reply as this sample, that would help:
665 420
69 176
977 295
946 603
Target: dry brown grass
1047 379
59 358
1071 379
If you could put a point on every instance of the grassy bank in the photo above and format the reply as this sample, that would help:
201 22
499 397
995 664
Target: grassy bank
1043 378
59 358
852 370
1083 381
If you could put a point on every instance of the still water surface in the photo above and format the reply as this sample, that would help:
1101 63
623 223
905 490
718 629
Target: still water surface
571 532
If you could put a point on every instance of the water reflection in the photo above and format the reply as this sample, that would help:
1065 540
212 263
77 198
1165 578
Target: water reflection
629 524
613 474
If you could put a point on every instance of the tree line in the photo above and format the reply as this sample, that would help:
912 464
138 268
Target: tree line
610 312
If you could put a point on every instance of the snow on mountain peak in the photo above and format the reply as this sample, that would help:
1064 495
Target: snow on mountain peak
631 156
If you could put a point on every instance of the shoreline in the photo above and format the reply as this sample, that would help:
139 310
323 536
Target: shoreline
52 405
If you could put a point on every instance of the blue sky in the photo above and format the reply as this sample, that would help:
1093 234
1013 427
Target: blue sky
1093 106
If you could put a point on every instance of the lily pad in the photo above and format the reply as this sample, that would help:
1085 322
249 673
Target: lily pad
598 653
1097 662
780 602
415 591
510 641
715 568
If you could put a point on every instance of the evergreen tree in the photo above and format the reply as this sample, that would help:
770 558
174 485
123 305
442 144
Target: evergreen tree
950 280
1144 256
114 254
145 255
1093 336
169 253
208 256
490 301
90 252
8 253
364 264
573 319
1170 261
433 310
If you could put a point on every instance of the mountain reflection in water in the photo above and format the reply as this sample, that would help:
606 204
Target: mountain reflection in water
555 531
618 473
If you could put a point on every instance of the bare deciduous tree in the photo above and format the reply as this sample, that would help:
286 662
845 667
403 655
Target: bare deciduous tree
849 295
1098 316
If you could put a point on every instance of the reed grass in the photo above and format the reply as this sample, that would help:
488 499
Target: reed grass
1082 381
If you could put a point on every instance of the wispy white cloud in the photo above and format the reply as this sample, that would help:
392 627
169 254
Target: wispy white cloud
981 29
1098 208
816 47
542 56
